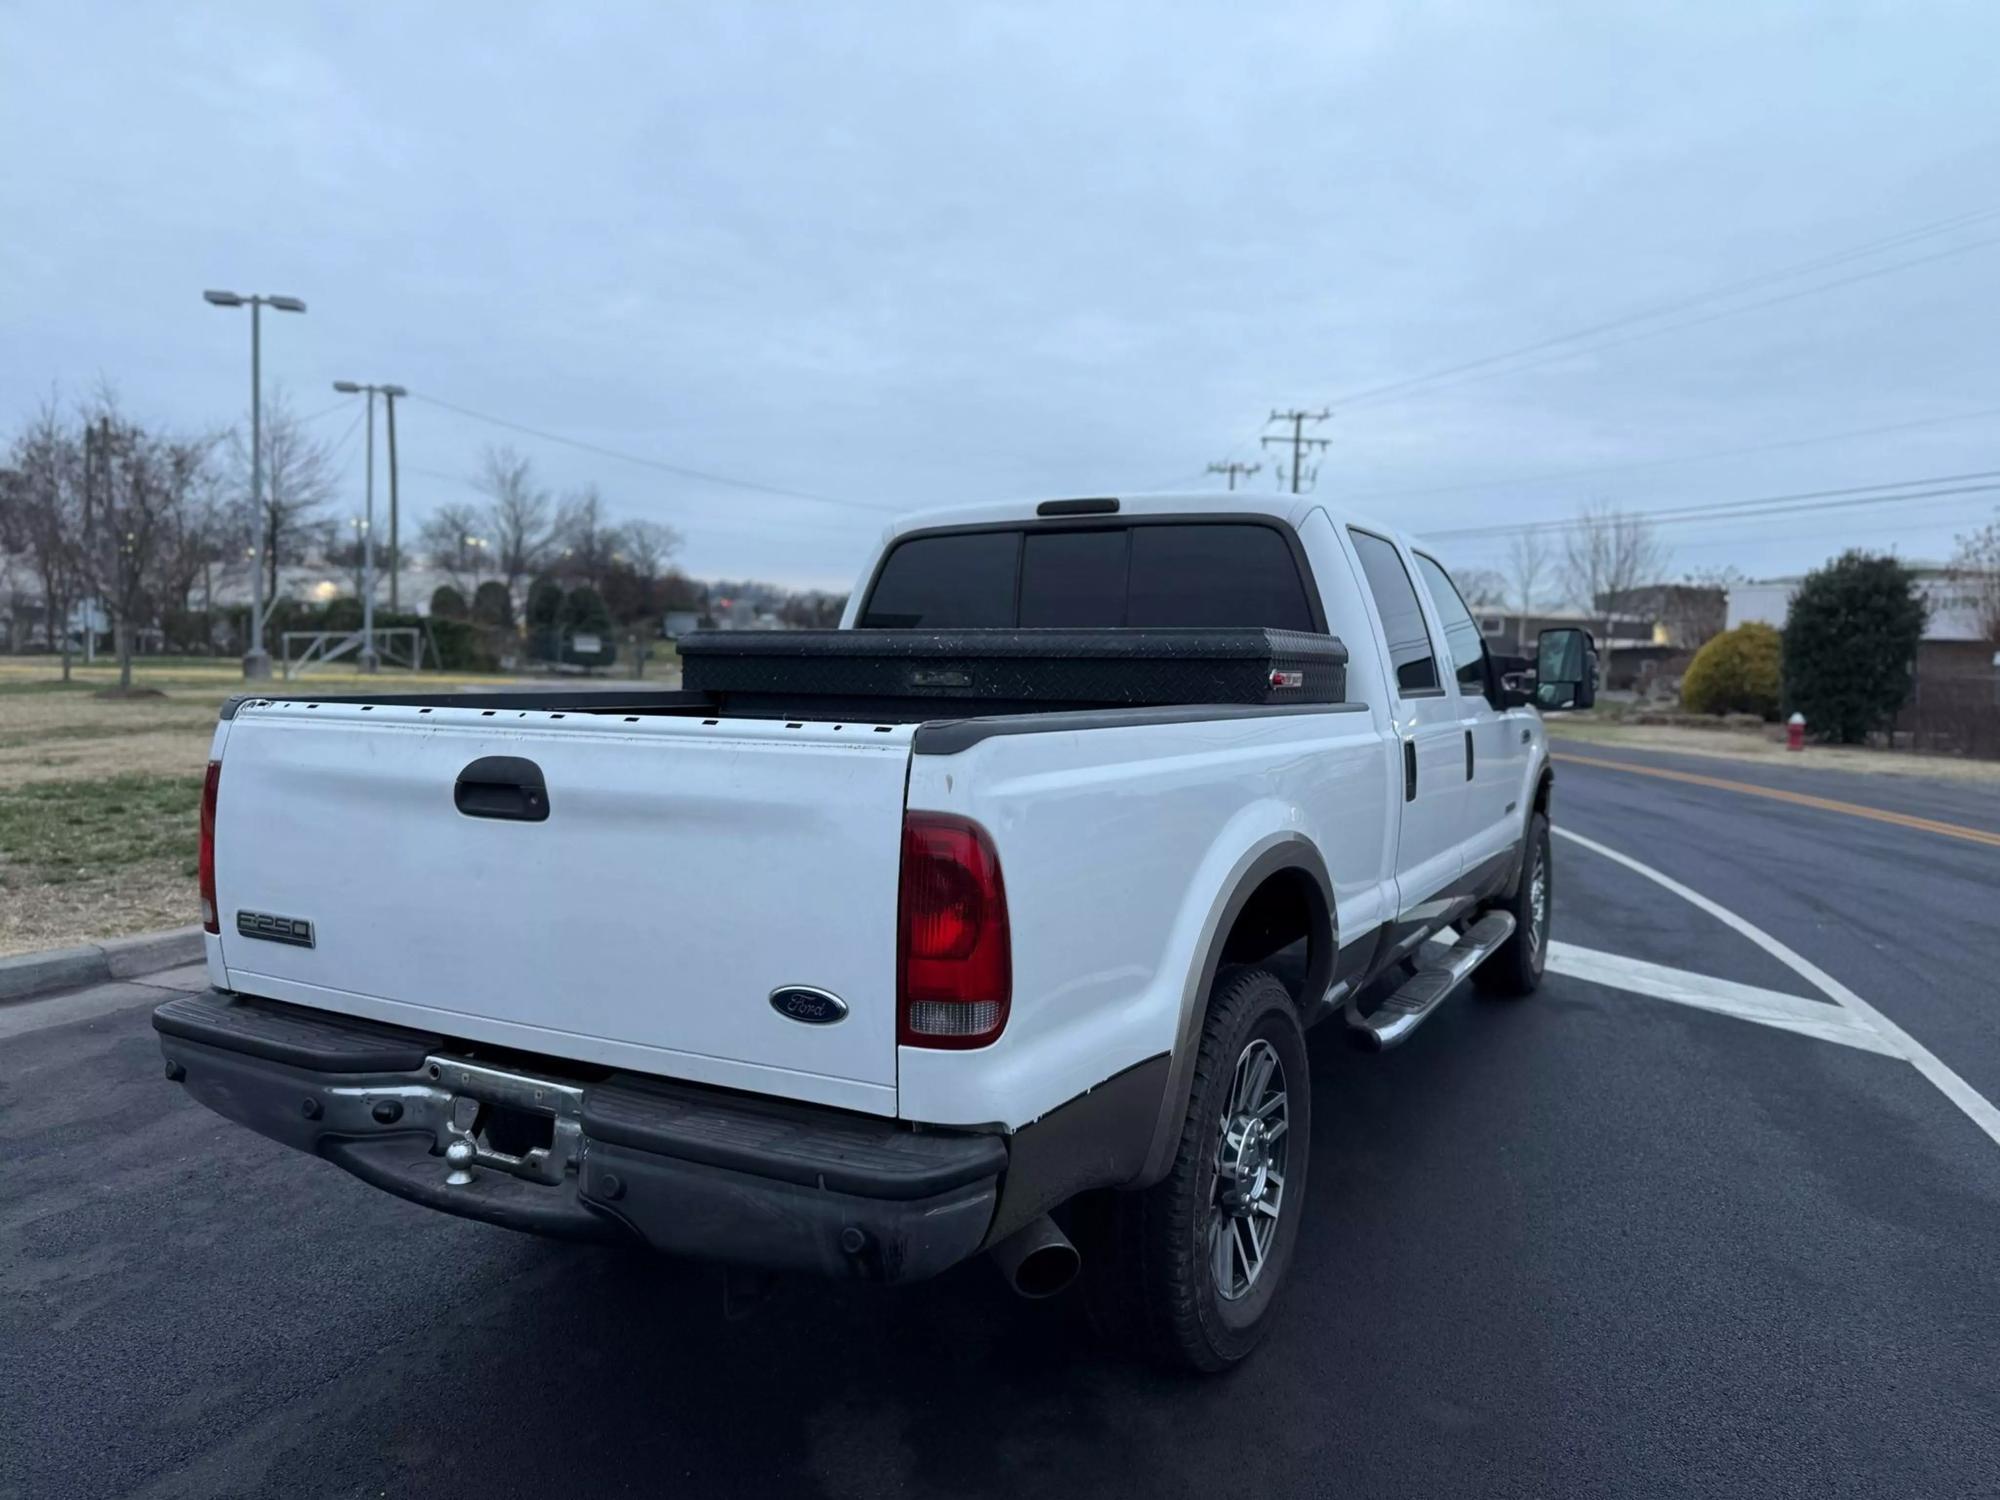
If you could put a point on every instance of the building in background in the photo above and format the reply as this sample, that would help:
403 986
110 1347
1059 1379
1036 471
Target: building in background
1954 641
1630 647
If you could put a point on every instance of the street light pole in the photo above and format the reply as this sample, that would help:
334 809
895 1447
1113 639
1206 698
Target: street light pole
389 395
369 660
256 661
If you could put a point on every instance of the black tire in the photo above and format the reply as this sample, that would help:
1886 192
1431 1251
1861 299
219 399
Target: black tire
1165 1287
1515 970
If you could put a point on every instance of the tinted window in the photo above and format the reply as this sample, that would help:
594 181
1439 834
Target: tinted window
1073 578
1402 616
1215 575
1197 574
946 582
1462 642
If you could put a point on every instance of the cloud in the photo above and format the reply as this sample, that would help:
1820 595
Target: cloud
909 255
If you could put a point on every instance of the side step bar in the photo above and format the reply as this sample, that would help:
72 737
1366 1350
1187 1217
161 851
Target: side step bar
1394 1019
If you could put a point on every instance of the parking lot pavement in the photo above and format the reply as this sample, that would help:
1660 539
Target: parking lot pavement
1595 1242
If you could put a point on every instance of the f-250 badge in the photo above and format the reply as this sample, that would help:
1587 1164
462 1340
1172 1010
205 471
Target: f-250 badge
261 924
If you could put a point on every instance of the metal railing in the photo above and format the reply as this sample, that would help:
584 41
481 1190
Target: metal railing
395 645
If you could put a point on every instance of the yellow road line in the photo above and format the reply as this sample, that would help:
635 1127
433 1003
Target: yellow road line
1797 799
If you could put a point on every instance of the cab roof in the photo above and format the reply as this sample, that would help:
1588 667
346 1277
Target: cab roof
1292 509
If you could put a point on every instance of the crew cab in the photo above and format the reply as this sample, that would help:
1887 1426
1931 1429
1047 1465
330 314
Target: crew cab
991 922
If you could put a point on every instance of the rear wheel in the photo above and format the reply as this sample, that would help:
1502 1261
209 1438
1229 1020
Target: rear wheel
1208 1246
1515 969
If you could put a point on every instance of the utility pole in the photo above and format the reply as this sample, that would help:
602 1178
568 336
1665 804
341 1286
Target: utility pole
1233 468
1299 443
389 395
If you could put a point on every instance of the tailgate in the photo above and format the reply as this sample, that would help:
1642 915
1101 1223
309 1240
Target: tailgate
684 871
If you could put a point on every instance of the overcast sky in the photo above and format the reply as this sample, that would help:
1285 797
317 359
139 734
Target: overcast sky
906 255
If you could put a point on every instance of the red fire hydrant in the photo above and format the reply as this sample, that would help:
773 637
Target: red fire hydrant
1795 732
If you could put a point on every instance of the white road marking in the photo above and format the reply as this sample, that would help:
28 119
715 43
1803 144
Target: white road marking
1813 1018
1970 1102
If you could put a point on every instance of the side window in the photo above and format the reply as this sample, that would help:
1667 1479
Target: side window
1402 617
1462 642
956 582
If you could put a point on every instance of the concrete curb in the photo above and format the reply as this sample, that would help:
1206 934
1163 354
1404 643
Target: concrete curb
29 974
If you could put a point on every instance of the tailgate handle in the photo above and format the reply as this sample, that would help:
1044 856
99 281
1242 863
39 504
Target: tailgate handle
502 786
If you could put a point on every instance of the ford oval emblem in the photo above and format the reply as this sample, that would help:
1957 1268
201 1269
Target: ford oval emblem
801 1002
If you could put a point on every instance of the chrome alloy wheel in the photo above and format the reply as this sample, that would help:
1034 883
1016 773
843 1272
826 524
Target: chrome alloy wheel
1538 909
1249 1189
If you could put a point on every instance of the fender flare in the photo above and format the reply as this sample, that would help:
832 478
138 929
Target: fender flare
1271 856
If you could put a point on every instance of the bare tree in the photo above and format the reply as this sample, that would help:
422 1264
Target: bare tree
207 532
1480 588
585 538
451 541
649 546
517 517
137 483
1607 553
42 517
299 481
1697 608
1975 569
1529 564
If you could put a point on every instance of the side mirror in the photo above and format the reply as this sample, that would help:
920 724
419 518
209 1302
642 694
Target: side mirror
1565 669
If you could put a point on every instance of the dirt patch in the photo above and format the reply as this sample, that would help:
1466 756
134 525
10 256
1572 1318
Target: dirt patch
141 897
82 860
1756 745
164 752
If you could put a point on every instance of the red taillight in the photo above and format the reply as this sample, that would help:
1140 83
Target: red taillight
956 972
209 917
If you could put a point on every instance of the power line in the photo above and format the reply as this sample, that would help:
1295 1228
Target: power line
324 411
1727 312
1552 475
1299 443
1727 289
827 527
1479 368
1804 500
680 470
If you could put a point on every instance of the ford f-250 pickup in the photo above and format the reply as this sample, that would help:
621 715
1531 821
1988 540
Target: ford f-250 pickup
867 951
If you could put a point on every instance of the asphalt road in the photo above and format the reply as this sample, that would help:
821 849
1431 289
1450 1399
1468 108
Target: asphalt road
1592 1243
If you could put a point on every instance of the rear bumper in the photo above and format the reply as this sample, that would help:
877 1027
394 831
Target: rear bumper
687 1170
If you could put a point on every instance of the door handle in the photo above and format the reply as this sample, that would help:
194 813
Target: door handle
1468 755
502 786
1409 770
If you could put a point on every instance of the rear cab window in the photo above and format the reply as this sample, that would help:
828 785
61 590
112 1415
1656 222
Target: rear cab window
1140 573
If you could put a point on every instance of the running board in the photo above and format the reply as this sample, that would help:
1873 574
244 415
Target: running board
1394 1019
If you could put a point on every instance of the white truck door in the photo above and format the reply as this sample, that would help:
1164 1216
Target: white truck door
1496 752
1426 716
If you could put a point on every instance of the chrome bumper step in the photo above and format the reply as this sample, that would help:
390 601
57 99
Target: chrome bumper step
1395 1018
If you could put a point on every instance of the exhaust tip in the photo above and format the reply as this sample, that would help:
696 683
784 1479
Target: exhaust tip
1047 1271
1037 1259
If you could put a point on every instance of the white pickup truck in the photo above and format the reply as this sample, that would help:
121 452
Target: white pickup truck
996 917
